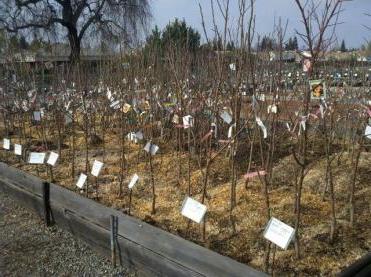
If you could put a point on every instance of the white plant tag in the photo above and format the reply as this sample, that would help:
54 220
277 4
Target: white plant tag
187 121
37 158
151 148
133 181
279 233
272 109
193 210
97 166
262 126
139 135
302 126
82 179
53 157
232 67
131 136
175 119
321 109
6 144
18 149
261 97
214 128
288 126
37 116
368 132
226 117
68 118
230 130
115 105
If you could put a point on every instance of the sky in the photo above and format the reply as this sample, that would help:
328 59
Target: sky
267 13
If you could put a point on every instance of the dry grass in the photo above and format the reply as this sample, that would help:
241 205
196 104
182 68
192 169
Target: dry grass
247 245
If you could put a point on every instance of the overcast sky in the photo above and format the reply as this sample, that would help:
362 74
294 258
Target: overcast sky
267 11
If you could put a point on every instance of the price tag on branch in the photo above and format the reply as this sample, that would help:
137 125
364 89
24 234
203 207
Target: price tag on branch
368 132
193 210
82 179
175 119
36 158
279 233
272 109
53 157
97 166
139 135
115 105
187 121
133 181
18 149
226 117
151 148
68 118
262 126
6 144
37 116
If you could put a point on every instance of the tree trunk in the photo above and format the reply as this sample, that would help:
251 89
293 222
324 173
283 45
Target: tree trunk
75 44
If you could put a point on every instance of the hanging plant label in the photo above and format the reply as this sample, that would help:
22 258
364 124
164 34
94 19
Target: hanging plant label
97 166
53 157
82 179
133 181
18 149
279 233
6 144
37 158
193 210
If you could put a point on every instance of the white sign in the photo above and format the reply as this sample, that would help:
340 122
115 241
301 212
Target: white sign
115 105
68 118
53 157
231 129
175 119
37 158
279 233
151 148
261 97
272 109
131 136
133 181
307 65
193 210
226 117
18 149
6 144
302 125
97 166
37 116
139 135
368 132
187 121
232 67
262 126
214 129
82 179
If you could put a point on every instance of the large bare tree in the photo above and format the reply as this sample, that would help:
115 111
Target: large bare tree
121 19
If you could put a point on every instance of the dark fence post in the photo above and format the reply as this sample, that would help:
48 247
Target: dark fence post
46 201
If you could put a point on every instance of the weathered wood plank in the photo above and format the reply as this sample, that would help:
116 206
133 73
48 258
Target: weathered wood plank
158 252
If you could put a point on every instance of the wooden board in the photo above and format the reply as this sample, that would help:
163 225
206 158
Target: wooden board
156 252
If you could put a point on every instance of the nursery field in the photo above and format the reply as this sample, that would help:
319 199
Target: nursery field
201 166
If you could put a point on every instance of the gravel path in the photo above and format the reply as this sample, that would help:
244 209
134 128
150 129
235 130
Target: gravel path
29 248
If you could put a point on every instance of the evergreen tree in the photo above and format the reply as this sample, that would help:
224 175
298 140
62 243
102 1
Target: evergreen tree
267 44
23 44
343 47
